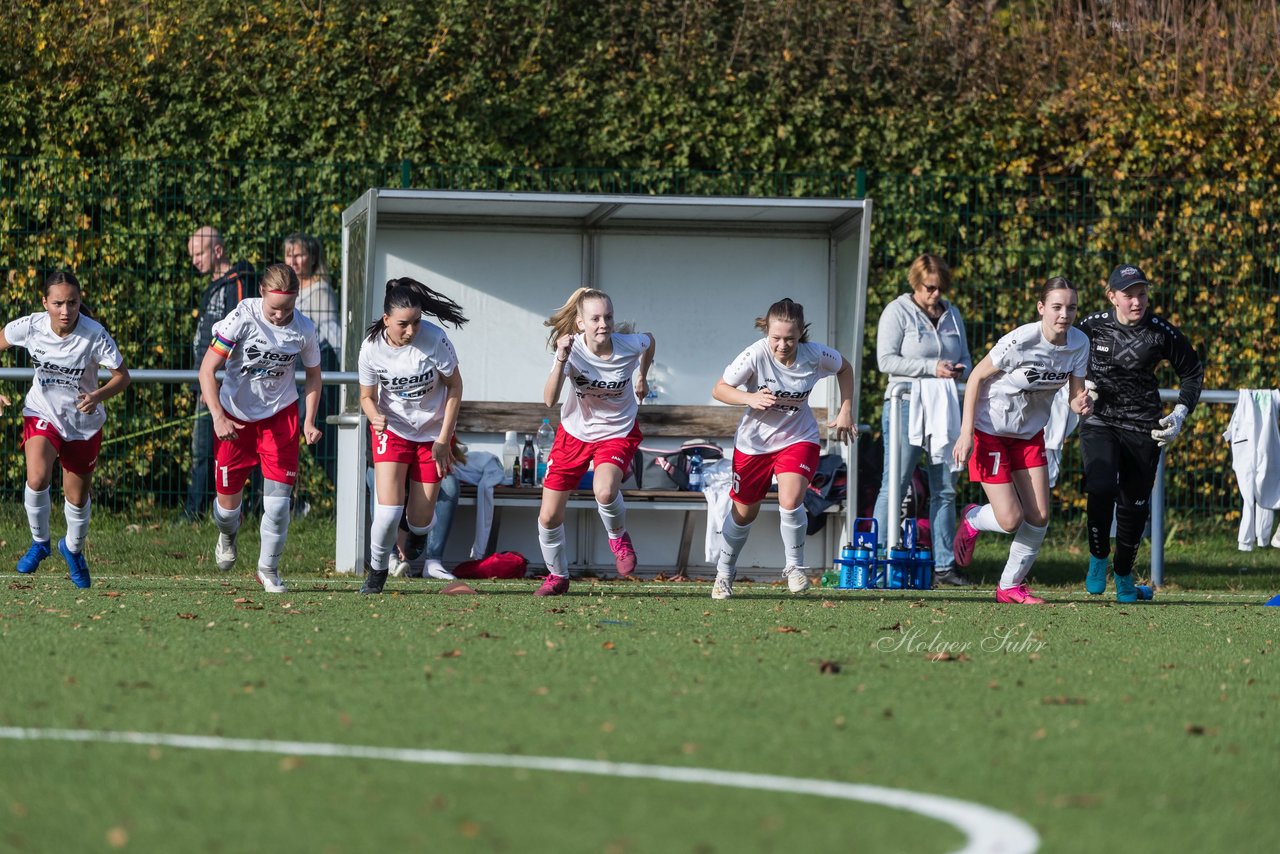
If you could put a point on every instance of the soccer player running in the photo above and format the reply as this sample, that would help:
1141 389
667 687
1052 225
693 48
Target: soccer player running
410 390
255 413
778 435
1122 441
62 415
1006 407
597 424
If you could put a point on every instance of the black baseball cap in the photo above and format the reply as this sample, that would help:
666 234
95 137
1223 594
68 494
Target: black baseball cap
1126 276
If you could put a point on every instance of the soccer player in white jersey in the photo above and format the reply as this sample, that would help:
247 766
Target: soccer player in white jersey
255 413
597 424
1006 407
62 415
410 390
778 435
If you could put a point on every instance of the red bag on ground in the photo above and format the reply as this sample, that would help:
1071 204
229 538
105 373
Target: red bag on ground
498 565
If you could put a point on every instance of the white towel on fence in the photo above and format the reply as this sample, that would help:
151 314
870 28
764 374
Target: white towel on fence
717 477
485 471
1255 458
933 418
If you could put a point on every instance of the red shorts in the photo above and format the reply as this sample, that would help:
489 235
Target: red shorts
271 443
78 456
996 458
391 448
570 457
753 473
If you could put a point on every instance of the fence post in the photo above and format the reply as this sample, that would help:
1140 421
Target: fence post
406 174
1157 526
860 184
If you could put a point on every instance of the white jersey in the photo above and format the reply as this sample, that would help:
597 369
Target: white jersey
65 368
261 360
410 380
1017 401
602 399
789 420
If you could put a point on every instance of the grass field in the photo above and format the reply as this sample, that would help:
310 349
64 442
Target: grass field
1149 727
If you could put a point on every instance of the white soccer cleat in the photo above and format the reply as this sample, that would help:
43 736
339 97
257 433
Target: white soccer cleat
271 581
397 568
435 569
722 588
224 553
797 581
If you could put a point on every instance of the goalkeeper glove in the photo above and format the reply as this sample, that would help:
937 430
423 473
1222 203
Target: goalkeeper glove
1170 426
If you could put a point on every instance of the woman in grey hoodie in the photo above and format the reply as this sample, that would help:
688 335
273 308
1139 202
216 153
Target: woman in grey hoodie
922 335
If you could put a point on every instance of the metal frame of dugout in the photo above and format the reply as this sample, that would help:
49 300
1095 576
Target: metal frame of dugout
695 270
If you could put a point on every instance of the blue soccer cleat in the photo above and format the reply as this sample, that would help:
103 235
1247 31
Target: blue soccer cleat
77 565
1145 593
1126 590
30 561
1096 581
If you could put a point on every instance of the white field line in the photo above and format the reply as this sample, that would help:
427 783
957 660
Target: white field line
987 831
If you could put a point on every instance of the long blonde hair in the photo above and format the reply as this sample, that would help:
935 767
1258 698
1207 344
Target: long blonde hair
564 320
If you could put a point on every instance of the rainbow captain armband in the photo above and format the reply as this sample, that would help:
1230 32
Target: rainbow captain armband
222 346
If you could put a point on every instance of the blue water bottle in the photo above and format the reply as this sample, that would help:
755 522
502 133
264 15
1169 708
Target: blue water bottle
845 566
862 554
900 561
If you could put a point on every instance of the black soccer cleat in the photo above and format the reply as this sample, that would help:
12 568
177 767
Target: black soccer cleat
373 582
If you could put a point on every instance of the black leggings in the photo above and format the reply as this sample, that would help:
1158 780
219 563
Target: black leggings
1119 472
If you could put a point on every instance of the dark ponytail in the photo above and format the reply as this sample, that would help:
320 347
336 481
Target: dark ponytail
410 293
789 311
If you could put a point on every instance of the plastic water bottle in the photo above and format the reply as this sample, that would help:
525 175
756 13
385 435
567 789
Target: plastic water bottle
528 462
696 482
542 442
511 457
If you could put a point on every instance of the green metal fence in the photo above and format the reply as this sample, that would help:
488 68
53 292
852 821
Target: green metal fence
123 227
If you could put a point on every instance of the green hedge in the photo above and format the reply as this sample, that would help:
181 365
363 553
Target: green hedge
1020 139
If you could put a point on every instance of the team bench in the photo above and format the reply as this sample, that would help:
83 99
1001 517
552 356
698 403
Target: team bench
662 425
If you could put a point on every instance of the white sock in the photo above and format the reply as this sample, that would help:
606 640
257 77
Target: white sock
274 530
732 538
614 516
77 524
1022 554
382 534
38 508
227 521
793 524
552 542
984 519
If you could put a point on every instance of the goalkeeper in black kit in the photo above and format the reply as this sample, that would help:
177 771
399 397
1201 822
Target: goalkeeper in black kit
1121 442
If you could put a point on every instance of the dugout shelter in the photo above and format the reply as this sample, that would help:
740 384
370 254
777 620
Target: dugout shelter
695 271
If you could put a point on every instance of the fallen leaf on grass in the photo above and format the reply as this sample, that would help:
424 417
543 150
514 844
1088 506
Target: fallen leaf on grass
946 656
187 616
608 645
291 763
827 603
113 594
453 653
1062 701
894 628
787 630
829 667
117 837
1039 734
240 600
1199 729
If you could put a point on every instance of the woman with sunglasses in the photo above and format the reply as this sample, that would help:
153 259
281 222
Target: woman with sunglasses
922 335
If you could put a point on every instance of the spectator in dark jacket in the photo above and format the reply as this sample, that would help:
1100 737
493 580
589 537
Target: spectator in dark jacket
227 284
